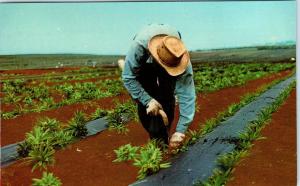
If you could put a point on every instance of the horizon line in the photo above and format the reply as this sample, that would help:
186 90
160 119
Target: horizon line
194 50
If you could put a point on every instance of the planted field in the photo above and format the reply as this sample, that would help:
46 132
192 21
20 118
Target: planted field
276 154
46 114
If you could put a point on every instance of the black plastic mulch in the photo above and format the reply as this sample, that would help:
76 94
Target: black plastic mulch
198 163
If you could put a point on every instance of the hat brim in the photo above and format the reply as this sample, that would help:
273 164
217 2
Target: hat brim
173 71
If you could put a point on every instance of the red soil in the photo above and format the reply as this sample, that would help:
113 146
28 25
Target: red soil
56 95
26 122
37 71
82 81
211 104
7 107
94 166
208 109
272 161
86 167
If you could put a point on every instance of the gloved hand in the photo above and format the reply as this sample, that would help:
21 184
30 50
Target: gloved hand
153 107
176 140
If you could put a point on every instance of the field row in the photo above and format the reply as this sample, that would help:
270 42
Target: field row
93 152
24 96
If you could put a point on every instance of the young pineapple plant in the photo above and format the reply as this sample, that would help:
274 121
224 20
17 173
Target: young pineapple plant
42 132
40 144
121 114
116 122
113 87
128 110
121 129
48 102
41 152
19 85
233 109
11 97
41 156
219 178
227 161
48 124
62 138
209 126
48 179
99 113
125 153
77 95
28 100
253 133
38 136
40 91
9 115
23 149
77 125
67 89
193 136
149 160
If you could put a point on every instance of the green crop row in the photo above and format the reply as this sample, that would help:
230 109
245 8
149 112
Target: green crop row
86 75
149 158
68 75
212 78
48 179
210 124
40 144
40 98
227 162
151 164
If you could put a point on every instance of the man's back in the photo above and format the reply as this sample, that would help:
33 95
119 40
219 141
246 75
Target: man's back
147 32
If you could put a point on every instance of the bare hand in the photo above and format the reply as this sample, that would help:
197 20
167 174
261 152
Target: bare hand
153 107
176 140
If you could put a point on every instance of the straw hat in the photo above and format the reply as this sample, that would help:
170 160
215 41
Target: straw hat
170 53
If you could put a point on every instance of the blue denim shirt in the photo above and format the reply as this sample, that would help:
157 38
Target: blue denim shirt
185 89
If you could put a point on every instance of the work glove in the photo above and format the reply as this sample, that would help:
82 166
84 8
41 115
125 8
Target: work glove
176 140
153 107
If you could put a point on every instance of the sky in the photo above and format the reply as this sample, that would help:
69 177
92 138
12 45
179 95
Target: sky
108 27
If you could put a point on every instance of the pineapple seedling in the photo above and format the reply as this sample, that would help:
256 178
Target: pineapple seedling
48 124
126 152
41 155
77 125
149 160
48 179
99 113
39 143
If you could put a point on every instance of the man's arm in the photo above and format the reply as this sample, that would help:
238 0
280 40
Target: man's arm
136 54
185 90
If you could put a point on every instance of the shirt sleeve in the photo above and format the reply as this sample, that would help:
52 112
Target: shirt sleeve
185 90
135 56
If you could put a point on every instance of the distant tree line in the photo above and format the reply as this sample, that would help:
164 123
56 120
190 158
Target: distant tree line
266 47
276 47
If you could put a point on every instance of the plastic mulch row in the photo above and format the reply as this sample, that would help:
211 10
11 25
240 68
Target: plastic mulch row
9 152
198 163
